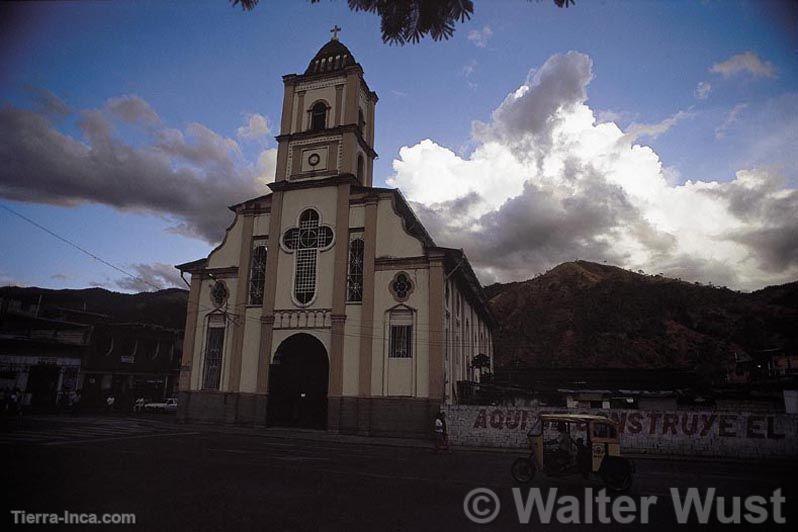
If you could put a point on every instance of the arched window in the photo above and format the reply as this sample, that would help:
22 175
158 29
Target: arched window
318 117
361 121
400 343
360 168
257 272
354 278
306 241
214 348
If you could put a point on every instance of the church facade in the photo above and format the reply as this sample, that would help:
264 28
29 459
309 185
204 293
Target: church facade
328 304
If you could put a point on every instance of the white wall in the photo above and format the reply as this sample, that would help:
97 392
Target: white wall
694 433
324 200
392 239
227 253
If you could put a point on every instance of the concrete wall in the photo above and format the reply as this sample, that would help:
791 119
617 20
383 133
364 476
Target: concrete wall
685 432
221 407
368 416
382 416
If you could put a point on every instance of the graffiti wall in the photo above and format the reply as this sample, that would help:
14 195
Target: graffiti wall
705 433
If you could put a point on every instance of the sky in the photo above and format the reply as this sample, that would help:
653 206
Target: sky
656 136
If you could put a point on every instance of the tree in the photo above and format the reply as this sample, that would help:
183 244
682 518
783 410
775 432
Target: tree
408 21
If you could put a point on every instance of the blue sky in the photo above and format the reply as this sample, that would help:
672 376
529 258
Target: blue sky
215 65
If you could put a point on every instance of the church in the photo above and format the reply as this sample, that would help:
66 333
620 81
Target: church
328 305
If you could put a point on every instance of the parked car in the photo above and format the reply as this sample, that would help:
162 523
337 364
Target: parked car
170 405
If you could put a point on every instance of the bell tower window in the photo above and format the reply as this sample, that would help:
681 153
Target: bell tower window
318 117
360 165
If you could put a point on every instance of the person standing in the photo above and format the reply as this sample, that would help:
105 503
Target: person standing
16 403
441 434
76 403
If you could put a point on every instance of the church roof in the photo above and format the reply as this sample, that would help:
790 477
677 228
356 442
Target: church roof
332 56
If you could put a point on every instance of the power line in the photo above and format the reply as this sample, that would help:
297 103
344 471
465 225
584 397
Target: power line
94 256
79 248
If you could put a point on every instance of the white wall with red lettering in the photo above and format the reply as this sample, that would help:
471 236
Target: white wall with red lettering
689 432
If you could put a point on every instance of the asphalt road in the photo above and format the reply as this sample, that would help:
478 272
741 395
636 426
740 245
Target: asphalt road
178 477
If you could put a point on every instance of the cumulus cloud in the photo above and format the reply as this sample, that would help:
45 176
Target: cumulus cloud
548 182
529 115
186 175
132 109
481 37
149 277
744 63
702 90
255 128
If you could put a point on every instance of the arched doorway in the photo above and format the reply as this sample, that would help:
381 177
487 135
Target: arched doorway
298 379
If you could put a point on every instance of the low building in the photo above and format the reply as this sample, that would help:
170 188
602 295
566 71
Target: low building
131 360
40 352
47 351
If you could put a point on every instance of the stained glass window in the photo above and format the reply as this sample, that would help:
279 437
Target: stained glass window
354 278
305 241
257 273
401 286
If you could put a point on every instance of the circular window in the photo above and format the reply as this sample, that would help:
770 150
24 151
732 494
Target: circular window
401 286
314 159
219 294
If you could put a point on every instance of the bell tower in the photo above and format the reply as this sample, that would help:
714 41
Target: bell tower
327 125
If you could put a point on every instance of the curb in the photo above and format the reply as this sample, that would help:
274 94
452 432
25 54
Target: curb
323 436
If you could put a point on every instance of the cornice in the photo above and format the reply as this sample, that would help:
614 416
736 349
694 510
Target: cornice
400 263
332 181
337 130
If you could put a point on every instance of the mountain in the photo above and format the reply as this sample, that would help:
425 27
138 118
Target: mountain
583 314
579 314
166 308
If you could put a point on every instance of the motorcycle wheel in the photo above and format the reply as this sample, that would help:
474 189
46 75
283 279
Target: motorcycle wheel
523 470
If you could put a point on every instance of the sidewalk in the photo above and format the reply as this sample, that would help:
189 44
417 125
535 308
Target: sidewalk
323 436
308 435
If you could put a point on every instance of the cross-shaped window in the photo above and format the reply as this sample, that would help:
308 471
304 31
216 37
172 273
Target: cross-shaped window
305 242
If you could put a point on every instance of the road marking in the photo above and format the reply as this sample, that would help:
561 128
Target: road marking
70 442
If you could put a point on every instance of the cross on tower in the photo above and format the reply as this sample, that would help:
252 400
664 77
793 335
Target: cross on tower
335 31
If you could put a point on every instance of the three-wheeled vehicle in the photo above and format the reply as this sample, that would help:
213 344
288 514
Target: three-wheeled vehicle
598 454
